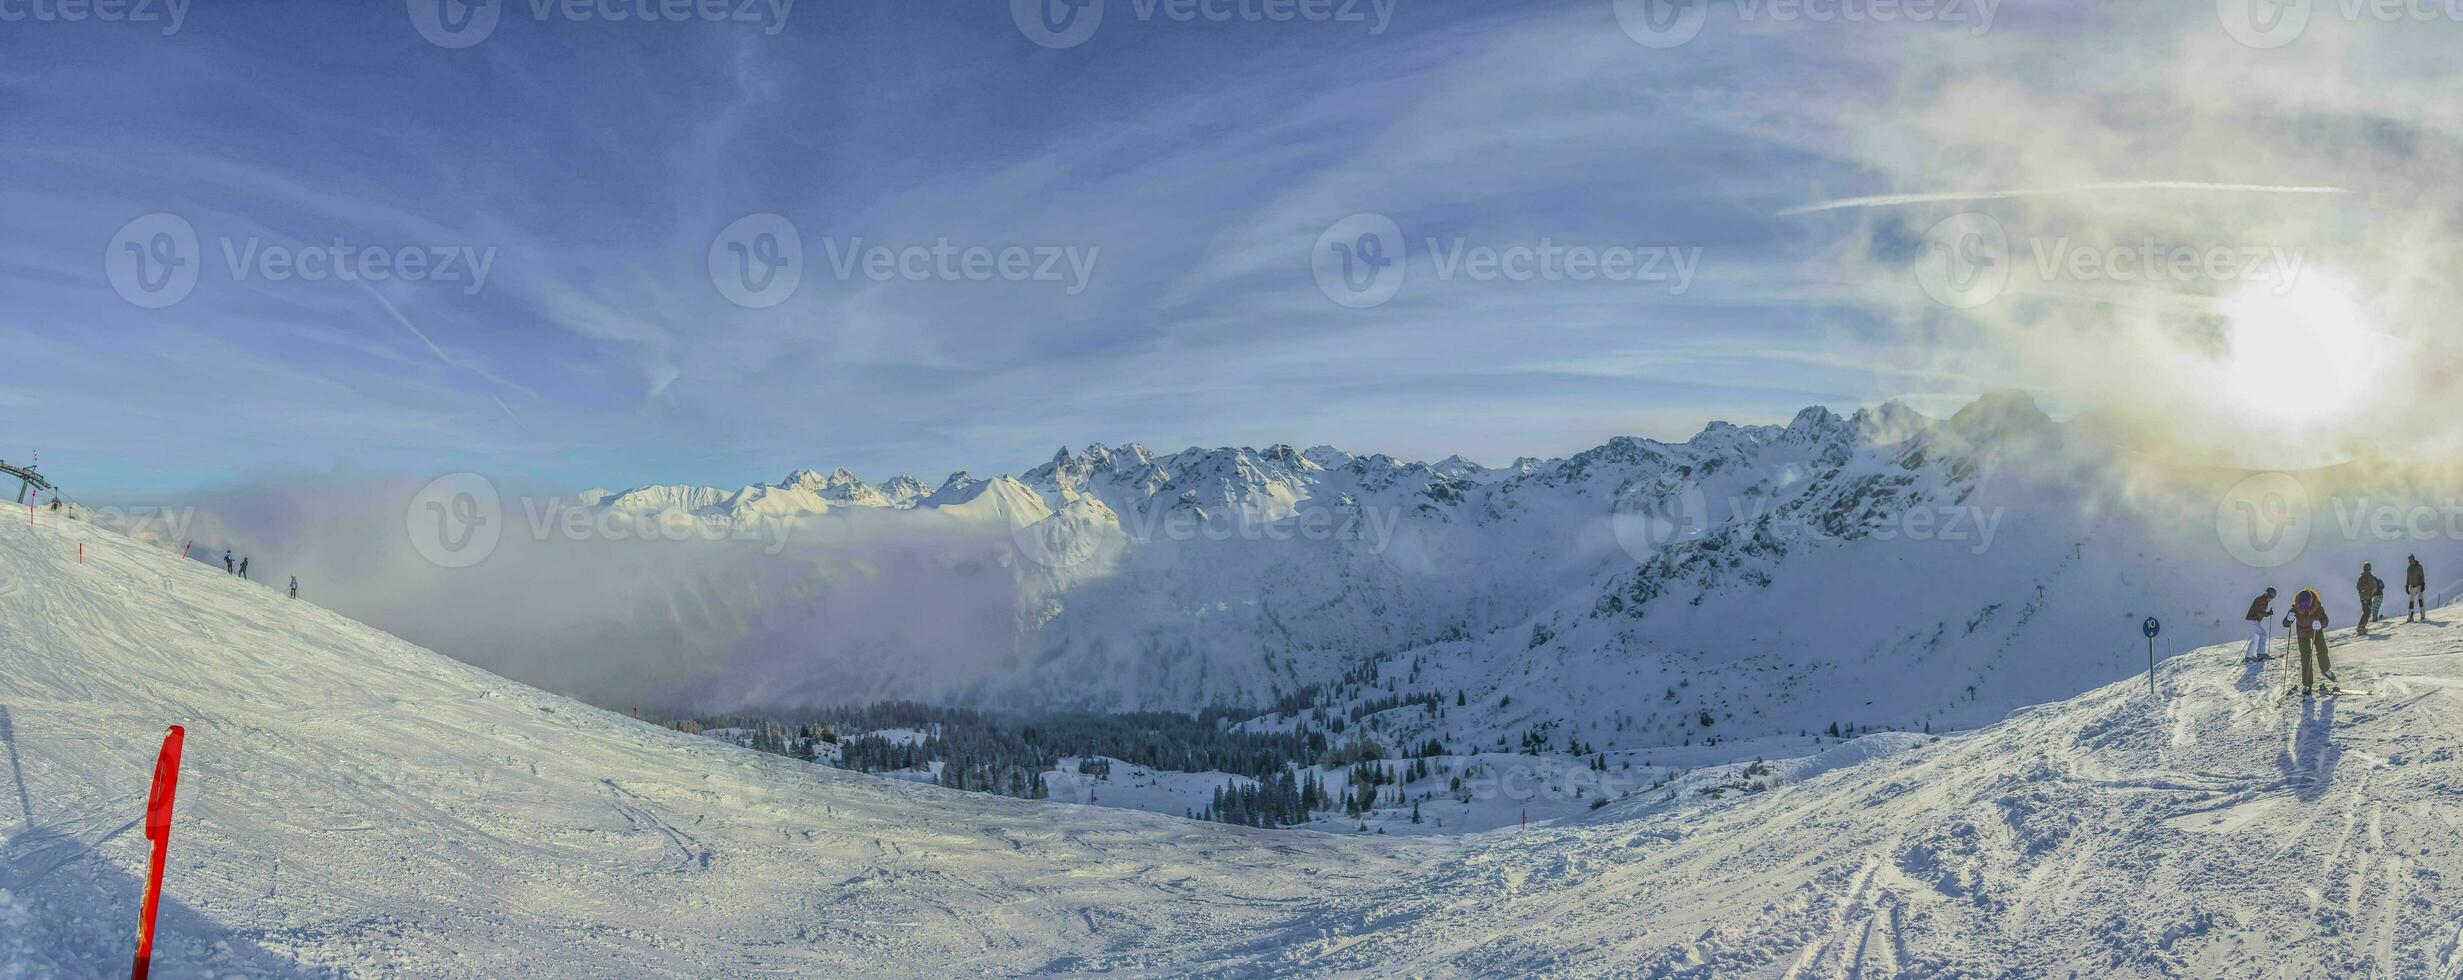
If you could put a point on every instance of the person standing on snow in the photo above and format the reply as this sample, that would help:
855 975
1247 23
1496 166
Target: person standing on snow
294 586
243 568
2372 593
2261 609
2309 614
2416 585
226 563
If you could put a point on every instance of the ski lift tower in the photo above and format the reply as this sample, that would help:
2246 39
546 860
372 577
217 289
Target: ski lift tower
27 479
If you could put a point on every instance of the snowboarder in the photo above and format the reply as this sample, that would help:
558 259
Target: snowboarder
243 568
294 586
227 569
2372 592
2416 586
2261 609
2309 614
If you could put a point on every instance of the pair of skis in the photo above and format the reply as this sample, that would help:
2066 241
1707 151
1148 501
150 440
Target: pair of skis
2324 691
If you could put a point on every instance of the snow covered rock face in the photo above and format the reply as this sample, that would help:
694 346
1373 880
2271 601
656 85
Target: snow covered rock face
1879 569
352 804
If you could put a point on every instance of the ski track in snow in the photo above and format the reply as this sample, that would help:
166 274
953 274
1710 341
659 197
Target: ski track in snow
352 804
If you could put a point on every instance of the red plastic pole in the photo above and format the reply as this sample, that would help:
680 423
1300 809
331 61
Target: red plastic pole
158 830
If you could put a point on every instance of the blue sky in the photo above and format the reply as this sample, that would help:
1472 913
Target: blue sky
1193 166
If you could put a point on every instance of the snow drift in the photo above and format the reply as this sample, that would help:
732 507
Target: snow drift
356 804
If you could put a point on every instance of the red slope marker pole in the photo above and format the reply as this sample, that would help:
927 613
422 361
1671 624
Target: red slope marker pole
158 830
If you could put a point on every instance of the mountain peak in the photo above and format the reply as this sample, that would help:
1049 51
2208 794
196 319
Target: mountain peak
2004 413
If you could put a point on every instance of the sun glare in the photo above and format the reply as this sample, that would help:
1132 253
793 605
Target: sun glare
2298 360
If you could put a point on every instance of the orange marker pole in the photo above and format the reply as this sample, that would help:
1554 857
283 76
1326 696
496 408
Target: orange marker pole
158 830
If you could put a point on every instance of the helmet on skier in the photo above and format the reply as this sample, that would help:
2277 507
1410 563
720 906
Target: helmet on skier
2308 598
2270 590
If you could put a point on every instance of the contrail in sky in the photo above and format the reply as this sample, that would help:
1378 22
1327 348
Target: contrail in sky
1885 200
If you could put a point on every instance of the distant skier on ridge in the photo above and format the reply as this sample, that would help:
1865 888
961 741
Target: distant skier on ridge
2372 594
2416 586
243 568
294 586
2261 609
227 569
2309 614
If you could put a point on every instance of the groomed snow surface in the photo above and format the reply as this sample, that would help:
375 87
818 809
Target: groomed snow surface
353 804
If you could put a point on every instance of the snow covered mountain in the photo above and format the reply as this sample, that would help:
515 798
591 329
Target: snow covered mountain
354 804
1882 569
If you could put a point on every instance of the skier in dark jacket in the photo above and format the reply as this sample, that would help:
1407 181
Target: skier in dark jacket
2309 614
2261 609
2416 586
2372 593
243 568
227 568
294 586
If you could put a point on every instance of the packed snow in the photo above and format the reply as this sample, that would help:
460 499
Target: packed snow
354 804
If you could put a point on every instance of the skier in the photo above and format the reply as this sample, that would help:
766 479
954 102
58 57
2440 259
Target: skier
227 569
294 586
2309 614
243 568
2261 609
2372 592
2416 586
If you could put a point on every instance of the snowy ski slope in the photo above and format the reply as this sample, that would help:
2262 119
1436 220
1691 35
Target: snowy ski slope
356 804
